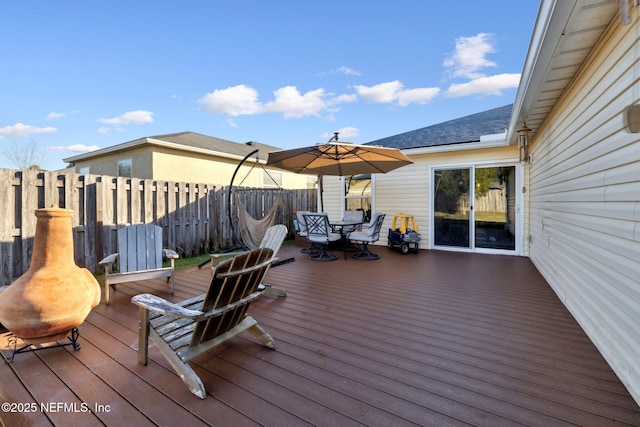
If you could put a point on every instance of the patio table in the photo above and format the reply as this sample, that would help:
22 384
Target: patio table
344 227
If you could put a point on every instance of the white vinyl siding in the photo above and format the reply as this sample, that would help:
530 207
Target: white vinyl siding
331 197
404 190
584 194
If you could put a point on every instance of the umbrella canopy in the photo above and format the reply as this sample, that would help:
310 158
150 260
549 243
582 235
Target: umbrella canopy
339 159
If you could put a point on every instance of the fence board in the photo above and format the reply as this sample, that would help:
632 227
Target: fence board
7 210
27 222
148 205
135 205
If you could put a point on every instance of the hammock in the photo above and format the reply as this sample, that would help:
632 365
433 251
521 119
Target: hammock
250 230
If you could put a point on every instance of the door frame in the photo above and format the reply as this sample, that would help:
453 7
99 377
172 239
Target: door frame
519 206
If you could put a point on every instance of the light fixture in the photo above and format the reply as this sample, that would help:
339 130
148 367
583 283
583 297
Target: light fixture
632 118
523 142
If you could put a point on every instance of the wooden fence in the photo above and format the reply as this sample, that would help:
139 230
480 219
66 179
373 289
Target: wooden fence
194 216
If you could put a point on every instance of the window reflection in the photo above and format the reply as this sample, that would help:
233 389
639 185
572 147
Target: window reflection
358 194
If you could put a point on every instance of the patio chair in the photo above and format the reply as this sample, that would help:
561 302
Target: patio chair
273 239
319 234
354 215
365 237
301 228
139 257
185 330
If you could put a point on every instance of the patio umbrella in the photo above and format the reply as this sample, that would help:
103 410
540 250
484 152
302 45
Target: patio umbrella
338 159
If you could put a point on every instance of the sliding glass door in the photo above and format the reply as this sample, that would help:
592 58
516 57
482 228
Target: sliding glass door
475 207
451 210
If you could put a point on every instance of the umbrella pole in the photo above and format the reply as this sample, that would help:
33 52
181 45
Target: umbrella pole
321 190
233 229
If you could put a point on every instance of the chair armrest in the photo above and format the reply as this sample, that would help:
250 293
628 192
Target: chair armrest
169 253
164 307
109 259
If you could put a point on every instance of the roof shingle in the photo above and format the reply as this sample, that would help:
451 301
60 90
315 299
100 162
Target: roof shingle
465 129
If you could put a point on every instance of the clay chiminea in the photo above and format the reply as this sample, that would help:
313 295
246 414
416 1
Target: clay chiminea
54 295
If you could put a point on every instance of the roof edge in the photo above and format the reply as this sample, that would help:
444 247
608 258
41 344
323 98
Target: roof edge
155 142
548 33
492 142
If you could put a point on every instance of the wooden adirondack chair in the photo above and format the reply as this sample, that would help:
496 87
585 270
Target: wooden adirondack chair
192 327
139 257
273 239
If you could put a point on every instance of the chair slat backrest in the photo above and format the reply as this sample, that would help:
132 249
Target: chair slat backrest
376 226
140 247
353 215
317 224
302 223
274 237
231 281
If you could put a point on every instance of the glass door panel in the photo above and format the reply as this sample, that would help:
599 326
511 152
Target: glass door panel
495 207
451 208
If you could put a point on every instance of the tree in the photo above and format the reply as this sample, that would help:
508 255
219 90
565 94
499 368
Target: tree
26 156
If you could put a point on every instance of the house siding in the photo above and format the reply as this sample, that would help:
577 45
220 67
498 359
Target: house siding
141 163
331 197
405 190
174 165
584 190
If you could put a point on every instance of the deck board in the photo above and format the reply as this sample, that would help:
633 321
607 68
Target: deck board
438 338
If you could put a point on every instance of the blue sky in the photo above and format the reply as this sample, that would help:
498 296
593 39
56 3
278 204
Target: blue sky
82 75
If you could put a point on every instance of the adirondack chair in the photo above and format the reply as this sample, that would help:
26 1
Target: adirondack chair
273 239
139 257
187 329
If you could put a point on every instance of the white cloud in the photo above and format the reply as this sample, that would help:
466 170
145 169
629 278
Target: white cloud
346 70
53 115
348 132
137 117
343 69
390 92
470 56
342 99
20 129
292 104
382 93
417 96
288 101
80 148
491 85
233 101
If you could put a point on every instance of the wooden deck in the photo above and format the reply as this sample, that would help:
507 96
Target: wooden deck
436 338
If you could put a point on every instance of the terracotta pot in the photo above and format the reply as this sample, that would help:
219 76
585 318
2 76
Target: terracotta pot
54 295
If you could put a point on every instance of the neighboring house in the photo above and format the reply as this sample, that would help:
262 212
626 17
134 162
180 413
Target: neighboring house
573 203
189 157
